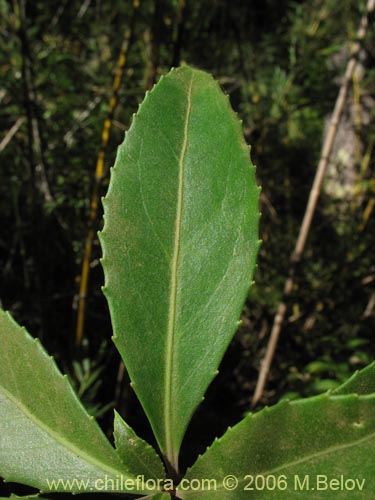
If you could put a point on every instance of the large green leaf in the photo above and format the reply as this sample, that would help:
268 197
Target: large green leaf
361 382
179 242
322 439
29 497
158 496
139 456
45 433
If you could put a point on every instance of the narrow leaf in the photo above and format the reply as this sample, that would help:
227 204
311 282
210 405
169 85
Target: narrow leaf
361 382
179 242
138 456
322 438
47 440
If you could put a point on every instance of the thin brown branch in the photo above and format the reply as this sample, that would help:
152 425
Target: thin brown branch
311 205
99 175
11 132
69 135
369 311
83 9
35 138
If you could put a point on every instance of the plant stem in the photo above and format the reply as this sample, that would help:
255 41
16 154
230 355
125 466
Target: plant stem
99 175
311 205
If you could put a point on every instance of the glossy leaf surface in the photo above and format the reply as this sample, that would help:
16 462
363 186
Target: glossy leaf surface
45 433
139 457
179 242
323 436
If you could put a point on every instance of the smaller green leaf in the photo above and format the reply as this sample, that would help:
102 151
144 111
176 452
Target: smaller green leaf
47 439
324 436
319 367
138 456
355 343
158 496
28 497
362 382
319 386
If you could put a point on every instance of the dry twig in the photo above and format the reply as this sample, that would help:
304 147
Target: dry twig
311 205
99 174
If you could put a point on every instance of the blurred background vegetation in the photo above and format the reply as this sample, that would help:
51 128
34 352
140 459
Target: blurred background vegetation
281 62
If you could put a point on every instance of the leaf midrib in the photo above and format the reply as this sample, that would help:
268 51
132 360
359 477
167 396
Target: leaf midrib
287 465
173 291
59 438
